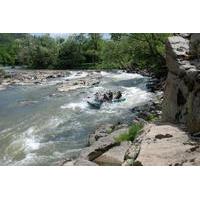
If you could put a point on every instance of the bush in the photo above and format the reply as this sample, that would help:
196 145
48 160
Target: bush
151 117
131 134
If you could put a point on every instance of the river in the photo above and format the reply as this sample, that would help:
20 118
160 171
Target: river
41 126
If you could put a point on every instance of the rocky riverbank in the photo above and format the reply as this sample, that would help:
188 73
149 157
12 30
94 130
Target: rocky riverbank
105 150
103 147
29 77
159 143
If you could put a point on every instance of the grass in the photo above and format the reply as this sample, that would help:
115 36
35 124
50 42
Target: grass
131 134
151 117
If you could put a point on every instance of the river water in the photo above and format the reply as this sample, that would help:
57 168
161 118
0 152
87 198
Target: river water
41 126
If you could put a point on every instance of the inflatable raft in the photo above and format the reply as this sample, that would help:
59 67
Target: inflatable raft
97 104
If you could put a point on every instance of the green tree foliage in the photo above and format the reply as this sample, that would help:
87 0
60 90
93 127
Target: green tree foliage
142 50
148 48
45 52
8 47
70 54
80 50
117 36
117 53
38 52
92 48
121 51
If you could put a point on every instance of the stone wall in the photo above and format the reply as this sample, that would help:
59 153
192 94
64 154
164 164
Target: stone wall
182 91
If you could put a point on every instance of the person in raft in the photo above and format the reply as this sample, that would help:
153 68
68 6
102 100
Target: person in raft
107 97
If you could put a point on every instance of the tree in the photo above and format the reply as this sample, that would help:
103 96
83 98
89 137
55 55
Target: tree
117 36
94 47
70 55
8 47
38 52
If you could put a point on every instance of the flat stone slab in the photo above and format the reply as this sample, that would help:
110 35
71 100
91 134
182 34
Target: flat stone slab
102 145
98 148
114 156
83 162
167 144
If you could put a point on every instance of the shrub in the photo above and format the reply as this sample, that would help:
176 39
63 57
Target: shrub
151 117
131 134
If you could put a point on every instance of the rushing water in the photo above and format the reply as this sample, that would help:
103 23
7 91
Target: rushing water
41 126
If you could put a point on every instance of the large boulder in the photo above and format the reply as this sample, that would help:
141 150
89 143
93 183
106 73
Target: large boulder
98 148
195 45
79 162
168 144
114 156
84 162
182 92
102 145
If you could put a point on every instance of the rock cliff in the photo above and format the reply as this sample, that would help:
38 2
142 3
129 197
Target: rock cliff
181 102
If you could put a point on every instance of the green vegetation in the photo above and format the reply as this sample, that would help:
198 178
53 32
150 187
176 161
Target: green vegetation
133 131
151 117
121 51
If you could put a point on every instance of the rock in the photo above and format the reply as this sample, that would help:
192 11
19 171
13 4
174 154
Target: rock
185 35
67 87
120 126
176 48
181 96
69 163
83 162
128 162
195 44
173 148
132 152
101 131
102 145
114 156
98 148
118 132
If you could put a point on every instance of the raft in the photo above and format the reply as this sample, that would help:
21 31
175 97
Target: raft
118 100
95 104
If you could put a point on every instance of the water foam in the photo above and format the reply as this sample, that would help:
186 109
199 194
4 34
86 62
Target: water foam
77 74
120 75
75 106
